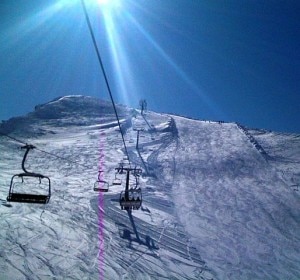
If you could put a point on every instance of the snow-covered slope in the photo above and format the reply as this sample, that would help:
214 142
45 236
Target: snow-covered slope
220 201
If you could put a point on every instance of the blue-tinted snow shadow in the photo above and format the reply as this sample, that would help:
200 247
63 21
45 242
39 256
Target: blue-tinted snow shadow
135 236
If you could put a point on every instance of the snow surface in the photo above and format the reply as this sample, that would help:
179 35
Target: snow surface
220 201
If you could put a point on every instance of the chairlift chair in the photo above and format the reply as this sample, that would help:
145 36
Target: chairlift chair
101 185
117 181
131 199
29 187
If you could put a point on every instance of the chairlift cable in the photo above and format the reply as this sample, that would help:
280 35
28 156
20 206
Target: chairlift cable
104 73
62 158
110 94
13 138
48 153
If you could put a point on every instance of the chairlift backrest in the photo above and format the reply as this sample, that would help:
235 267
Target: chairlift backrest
117 182
131 199
21 188
101 186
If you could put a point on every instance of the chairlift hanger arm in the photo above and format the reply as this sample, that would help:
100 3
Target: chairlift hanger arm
28 148
99 174
25 145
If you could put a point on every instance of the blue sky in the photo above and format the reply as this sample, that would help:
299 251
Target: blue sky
216 60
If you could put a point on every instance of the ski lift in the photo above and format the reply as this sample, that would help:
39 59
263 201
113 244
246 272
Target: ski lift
131 199
101 185
29 187
121 169
117 181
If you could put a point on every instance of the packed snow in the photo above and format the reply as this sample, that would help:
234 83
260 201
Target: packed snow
220 201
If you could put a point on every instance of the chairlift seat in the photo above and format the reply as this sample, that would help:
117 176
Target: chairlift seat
117 182
28 198
132 199
101 186
130 205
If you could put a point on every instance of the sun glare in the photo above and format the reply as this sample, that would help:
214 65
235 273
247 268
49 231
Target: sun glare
103 2
109 4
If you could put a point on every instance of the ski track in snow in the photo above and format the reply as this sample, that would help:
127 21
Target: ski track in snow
244 218
216 205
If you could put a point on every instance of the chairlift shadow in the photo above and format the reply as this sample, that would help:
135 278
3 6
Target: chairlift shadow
143 161
4 203
144 240
133 225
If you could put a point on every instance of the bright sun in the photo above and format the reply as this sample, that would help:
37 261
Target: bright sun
109 3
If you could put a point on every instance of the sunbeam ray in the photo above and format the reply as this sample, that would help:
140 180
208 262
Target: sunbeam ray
195 88
124 81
